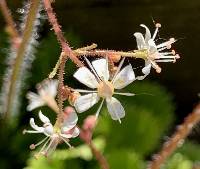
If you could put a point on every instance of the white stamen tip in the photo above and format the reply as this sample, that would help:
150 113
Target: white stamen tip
177 56
169 45
158 70
24 131
173 52
172 40
158 25
32 146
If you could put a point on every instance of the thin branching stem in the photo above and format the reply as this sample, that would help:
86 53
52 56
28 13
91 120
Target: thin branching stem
106 53
57 29
177 139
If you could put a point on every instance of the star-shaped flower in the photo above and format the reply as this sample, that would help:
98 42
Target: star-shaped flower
105 88
152 53
54 136
47 91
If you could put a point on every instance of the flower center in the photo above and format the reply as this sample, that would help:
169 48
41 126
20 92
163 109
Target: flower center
105 89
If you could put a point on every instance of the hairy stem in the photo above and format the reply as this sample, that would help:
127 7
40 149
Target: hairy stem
29 26
105 53
57 29
177 139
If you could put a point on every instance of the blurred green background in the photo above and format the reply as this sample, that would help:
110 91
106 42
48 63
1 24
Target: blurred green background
149 118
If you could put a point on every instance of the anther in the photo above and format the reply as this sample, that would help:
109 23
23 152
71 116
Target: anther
24 131
172 40
32 146
177 56
158 25
173 52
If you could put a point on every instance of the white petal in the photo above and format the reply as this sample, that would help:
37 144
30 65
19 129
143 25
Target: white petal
34 126
115 109
43 118
76 132
101 67
53 87
34 101
84 76
147 34
70 121
124 77
140 40
48 87
84 102
146 70
48 129
152 46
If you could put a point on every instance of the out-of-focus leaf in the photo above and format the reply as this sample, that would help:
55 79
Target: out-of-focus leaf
124 159
82 151
178 161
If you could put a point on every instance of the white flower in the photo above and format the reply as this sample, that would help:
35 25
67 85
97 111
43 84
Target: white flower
153 53
47 91
105 89
54 136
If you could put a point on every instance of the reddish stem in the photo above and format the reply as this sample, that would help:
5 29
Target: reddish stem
86 136
11 29
57 29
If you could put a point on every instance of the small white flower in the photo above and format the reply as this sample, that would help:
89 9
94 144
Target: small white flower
153 53
54 136
105 89
47 91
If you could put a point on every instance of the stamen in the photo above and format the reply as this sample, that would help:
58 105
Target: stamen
45 152
66 142
163 45
92 68
166 60
125 94
99 109
158 25
31 131
33 146
155 66
41 151
118 69
84 91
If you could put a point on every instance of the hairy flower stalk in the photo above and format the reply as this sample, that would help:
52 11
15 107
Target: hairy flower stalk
19 62
54 135
105 87
152 53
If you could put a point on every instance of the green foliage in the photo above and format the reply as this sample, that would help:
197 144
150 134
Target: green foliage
179 161
125 159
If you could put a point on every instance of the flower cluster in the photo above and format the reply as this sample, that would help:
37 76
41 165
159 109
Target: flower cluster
103 85
53 135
